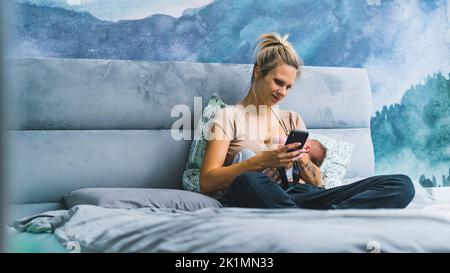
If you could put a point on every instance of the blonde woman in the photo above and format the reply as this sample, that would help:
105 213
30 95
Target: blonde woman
251 126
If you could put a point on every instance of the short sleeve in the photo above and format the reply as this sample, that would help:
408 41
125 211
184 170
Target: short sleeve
224 124
297 121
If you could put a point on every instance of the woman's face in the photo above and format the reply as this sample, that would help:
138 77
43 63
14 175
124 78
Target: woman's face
271 89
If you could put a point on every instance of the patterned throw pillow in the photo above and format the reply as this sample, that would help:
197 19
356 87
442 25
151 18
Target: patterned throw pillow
337 160
191 175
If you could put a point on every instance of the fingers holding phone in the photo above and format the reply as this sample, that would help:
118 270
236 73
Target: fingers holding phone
285 155
294 145
279 157
290 153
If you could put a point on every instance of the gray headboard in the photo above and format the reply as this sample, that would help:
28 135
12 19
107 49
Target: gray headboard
77 123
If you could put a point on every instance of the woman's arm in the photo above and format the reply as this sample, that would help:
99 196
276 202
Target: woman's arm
213 176
309 173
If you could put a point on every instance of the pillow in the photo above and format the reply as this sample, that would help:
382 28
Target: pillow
131 198
191 175
336 161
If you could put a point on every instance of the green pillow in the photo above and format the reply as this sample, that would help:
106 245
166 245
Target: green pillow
191 175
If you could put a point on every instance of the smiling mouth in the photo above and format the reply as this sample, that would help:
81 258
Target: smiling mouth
276 98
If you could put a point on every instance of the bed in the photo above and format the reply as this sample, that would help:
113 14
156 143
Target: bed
79 124
88 228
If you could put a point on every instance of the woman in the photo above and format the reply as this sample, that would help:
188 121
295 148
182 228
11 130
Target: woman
252 182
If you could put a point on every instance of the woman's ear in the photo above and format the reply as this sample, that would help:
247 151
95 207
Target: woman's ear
256 72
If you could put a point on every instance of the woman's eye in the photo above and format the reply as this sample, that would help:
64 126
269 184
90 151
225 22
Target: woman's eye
278 82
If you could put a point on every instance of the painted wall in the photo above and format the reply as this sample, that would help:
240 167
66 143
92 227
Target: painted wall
405 45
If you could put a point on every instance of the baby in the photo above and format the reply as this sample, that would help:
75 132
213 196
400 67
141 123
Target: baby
316 151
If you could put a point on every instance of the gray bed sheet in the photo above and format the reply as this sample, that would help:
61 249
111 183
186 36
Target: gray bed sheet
90 228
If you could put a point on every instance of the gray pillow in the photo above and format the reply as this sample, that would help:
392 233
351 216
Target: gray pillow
130 198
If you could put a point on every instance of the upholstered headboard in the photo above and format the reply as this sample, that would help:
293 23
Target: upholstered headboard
77 123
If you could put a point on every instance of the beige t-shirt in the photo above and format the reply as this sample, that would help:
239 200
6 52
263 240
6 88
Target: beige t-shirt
244 128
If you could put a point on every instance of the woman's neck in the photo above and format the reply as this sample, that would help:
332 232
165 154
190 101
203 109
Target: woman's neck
252 99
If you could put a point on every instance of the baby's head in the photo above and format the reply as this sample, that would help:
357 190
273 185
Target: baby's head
316 151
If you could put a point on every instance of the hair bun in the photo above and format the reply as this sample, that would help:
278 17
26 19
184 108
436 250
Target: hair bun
273 39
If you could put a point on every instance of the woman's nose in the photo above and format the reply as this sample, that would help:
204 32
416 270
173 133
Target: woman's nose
283 91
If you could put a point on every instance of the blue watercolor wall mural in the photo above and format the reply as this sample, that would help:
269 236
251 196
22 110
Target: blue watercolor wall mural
405 46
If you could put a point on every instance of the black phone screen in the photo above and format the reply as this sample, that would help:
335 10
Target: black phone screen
297 136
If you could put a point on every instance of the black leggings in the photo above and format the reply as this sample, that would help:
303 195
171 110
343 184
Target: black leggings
257 190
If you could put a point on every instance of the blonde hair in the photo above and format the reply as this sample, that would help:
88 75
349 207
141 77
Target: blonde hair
273 50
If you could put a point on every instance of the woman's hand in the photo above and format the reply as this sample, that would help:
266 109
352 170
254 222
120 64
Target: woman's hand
273 173
279 157
304 159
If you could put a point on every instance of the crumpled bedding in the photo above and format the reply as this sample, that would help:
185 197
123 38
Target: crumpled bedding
97 229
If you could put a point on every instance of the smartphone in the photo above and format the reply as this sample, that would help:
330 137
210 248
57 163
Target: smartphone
297 136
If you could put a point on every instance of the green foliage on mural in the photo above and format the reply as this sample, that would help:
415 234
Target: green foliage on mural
420 123
429 183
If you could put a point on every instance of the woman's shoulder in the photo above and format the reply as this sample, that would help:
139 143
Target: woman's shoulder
227 115
227 111
289 114
232 111
293 118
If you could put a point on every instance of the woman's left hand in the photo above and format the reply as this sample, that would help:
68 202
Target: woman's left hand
310 173
304 159
273 173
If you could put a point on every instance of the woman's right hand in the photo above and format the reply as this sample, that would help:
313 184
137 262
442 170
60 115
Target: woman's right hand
279 157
